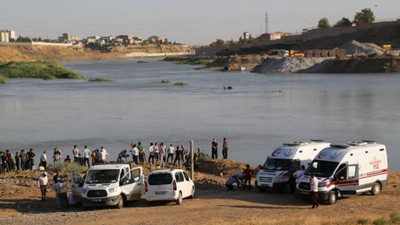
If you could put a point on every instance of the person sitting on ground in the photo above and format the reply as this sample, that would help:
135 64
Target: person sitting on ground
67 160
247 173
121 159
236 178
42 184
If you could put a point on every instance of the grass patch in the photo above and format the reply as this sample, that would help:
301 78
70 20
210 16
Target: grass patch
164 82
180 83
395 217
66 167
363 221
37 70
381 221
100 80
2 79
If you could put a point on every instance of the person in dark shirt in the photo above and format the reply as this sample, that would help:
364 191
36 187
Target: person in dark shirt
214 149
55 177
247 173
17 161
31 156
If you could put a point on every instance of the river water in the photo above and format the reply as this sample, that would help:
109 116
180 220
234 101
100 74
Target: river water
258 114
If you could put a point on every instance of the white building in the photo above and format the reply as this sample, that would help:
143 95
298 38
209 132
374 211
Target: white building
4 36
12 35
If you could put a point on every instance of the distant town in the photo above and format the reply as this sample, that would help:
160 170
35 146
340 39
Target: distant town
9 37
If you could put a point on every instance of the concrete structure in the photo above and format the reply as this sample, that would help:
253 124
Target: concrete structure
69 37
4 36
92 39
246 35
273 36
12 35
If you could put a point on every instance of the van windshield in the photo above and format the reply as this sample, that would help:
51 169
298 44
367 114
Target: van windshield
102 176
321 168
160 178
277 164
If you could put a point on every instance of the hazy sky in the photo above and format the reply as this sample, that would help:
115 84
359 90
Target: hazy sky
186 21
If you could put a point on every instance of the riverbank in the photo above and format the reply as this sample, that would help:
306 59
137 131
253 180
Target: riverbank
55 53
20 204
273 65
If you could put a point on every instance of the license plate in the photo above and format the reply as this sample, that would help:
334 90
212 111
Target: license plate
304 193
161 192
96 200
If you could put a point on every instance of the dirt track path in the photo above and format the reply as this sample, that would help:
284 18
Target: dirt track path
210 207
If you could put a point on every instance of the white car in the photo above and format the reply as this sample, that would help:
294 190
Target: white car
168 185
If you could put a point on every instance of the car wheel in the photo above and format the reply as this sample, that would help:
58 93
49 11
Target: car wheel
193 191
332 197
259 188
376 189
120 203
179 200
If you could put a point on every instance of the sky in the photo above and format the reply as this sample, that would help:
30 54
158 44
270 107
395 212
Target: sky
185 21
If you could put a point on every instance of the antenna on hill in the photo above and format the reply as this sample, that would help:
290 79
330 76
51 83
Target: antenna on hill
266 22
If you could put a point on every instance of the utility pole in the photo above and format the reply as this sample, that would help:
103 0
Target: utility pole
266 22
192 159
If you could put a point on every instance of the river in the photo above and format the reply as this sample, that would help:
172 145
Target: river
257 115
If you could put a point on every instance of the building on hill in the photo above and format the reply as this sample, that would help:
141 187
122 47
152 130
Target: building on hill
12 35
69 38
4 36
273 36
246 36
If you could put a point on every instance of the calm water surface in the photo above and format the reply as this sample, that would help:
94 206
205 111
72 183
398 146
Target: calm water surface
260 113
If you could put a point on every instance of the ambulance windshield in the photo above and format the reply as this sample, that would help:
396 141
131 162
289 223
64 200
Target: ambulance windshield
277 164
321 168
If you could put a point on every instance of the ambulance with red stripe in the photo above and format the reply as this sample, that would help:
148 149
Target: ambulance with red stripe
347 170
280 164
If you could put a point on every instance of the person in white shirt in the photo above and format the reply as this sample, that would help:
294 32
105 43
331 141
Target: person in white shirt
314 190
162 151
104 154
151 153
86 156
299 173
157 151
42 184
135 153
171 151
43 160
75 153
61 193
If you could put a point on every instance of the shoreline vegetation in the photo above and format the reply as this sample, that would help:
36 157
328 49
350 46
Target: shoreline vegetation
36 70
98 79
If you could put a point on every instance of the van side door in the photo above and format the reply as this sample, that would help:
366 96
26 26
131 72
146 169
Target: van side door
347 180
77 185
180 183
131 183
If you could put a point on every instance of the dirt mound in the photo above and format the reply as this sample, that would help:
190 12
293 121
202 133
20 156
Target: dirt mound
286 65
221 167
356 48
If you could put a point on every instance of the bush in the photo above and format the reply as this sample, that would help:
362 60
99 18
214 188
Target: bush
100 80
381 221
395 217
66 167
363 221
38 70
180 84
2 79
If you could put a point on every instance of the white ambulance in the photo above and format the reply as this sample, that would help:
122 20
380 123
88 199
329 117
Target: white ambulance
276 169
346 170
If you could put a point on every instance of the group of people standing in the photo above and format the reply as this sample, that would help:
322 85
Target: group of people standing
214 148
23 160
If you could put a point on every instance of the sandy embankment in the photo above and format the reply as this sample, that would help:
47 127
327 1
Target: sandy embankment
20 204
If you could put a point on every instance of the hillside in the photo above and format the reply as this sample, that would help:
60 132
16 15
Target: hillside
55 53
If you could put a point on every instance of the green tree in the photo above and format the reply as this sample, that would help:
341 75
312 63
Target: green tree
218 42
344 22
323 23
365 16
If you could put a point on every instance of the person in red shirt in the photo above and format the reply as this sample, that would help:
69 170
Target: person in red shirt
247 173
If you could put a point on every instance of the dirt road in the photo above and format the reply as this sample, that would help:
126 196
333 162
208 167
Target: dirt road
20 204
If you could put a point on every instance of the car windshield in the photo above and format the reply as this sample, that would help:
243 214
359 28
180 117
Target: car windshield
277 164
321 168
102 176
160 178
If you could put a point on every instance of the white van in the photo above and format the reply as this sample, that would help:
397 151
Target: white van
346 170
168 185
276 169
108 185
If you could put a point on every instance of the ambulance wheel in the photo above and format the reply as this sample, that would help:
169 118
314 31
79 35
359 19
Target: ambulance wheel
332 197
376 189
